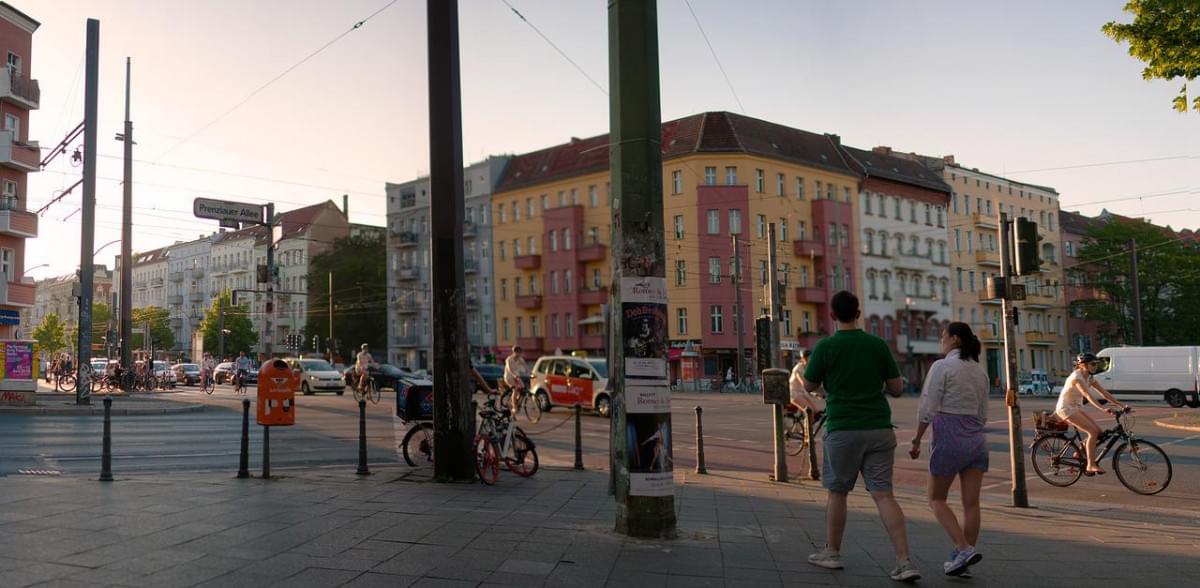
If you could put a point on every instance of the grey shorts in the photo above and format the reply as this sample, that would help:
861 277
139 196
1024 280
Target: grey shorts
872 452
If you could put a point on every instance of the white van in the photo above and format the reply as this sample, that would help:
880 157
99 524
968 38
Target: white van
1152 372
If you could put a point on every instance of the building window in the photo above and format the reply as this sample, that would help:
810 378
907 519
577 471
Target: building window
780 188
503 252
714 222
716 324
817 192
735 222
596 283
762 226
520 327
783 230
504 288
554 326
833 234
593 199
867 204
677 182
805 322
594 236
566 239
710 176
516 212
678 227
714 270
553 282
574 197
760 181
846 194
501 216
681 321
545 201
730 175
504 327
787 322
567 281
896 209
532 285
801 231
681 273
799 188
570 320
553 240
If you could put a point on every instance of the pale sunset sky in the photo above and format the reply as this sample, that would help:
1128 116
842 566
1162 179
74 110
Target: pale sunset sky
1029 89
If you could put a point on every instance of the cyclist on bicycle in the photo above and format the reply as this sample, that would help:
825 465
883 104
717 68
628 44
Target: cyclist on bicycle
363 362
515 372
207 365
802 399
242 365
1070 404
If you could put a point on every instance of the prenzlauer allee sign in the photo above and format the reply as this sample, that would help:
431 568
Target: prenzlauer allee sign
225 210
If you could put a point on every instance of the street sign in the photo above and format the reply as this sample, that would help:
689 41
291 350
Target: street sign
226 211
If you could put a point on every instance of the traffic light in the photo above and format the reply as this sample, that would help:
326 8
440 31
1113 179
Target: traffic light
261 273
233 298
1026 236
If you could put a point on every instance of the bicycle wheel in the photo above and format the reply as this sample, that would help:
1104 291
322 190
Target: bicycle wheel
358 394
505 400
1057 460
66 382
529 405
418 445
487 461
373 392
1142 467
207 386
524 460
793 434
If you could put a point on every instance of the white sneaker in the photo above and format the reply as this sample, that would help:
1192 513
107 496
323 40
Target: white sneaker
826 558
905 572
963 559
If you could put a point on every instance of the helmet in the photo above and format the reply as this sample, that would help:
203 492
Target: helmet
1085 358
807 353
363 346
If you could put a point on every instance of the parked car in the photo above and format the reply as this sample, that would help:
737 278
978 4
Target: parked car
561 380
223 373
1035 384
491 373
187 374
1149 373
386 376
316 375
164 374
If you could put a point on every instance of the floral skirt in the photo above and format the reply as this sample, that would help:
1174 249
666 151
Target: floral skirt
958 444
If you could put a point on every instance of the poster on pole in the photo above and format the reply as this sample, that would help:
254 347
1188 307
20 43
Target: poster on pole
644 326
648 445
647 397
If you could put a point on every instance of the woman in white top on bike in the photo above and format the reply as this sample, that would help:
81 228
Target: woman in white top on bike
1070 405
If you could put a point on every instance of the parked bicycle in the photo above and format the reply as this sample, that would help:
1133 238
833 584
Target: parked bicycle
500 440
64 382
1058 458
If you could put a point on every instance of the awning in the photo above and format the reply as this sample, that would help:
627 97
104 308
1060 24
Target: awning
595 319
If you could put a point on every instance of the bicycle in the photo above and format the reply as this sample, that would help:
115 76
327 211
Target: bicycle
793 433
1058 459
526 403
368 391
206 382
239 382
499 439
417 445
64 382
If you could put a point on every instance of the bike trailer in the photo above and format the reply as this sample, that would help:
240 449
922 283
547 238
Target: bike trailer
1048 422
414 400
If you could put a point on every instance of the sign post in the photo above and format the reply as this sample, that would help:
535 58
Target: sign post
229 212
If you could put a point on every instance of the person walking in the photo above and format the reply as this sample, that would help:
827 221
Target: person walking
856 368
954 403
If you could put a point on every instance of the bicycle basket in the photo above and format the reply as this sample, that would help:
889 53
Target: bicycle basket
1048 422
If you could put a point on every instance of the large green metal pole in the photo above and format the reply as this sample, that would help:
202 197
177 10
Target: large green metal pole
644 488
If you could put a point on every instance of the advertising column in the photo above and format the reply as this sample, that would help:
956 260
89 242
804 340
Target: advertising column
647 394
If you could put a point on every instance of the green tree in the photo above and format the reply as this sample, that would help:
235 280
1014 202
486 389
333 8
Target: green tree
51 334
360 293
101 314
1165 35
240 335
161 333
1168 281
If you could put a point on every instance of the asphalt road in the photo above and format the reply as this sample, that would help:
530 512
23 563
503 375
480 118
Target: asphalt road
737 437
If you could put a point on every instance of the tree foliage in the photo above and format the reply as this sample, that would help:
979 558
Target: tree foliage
1165 35
51 334
161 333
1168 280
360 293
241 335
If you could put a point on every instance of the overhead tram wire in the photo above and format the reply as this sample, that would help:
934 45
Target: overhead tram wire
715 58
556 48
278 77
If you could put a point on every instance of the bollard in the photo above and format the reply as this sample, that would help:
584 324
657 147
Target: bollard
266 473
578 440
700 469
106 456
244 462
362 439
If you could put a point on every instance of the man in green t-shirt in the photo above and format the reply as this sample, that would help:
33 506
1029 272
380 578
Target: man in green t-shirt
856 369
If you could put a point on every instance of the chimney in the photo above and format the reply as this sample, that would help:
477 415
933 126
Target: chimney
346 206
575 140
882 150
837 139
948 159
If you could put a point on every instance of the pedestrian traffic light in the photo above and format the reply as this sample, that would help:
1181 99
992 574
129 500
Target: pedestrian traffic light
233 298
1026 237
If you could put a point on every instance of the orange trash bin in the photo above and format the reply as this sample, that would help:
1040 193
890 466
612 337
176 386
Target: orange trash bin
277 394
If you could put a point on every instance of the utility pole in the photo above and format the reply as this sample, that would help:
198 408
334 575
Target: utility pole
775 360
126 305
453 419
644 480
738 311
270 305
220 327
1136 293
1016 448
330 304
91 99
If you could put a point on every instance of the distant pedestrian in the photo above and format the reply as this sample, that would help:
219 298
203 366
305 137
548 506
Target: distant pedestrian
954 403
856 368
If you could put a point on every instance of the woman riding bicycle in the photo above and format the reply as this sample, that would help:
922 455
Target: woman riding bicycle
515 372
207 365
802 399
1070 404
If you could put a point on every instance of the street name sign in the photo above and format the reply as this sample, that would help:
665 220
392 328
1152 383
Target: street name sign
225 211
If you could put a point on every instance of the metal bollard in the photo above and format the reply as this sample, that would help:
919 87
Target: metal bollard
266 473
244 461
700 469
578 440
362 439
106 456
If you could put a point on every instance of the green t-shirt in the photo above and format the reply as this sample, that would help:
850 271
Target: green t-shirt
853 366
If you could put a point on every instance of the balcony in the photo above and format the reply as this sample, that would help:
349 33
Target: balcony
237 269
984 299
593 296
470 266
595 252
984 257
406 340
17 223
196 296
988 333
175 299
406 239
528 262
17 294
919 346
20 90
984 221
1039 338
139 284
469 230
1036 298
23 157
472 302
530 343
811 295
808 248
197 273
218 269
175 277
529 302
176 323
406 306
408 273
156 282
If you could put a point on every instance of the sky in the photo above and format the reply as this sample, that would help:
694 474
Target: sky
1028 89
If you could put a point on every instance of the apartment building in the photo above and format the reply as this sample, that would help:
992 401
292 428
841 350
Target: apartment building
724 175
410 339
19 156
149 278
59 295
1084 334
189 288
905 271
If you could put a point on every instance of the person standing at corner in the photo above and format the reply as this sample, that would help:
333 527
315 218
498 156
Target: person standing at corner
856 368
954 404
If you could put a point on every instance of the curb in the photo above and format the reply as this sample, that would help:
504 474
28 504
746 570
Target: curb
1164 424
99 410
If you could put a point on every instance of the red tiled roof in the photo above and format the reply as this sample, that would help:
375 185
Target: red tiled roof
1075 223
710 132
897 169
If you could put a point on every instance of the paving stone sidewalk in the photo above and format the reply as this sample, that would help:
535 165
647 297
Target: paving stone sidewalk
395 528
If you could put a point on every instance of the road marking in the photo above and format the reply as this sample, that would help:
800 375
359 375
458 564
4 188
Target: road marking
1181 440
